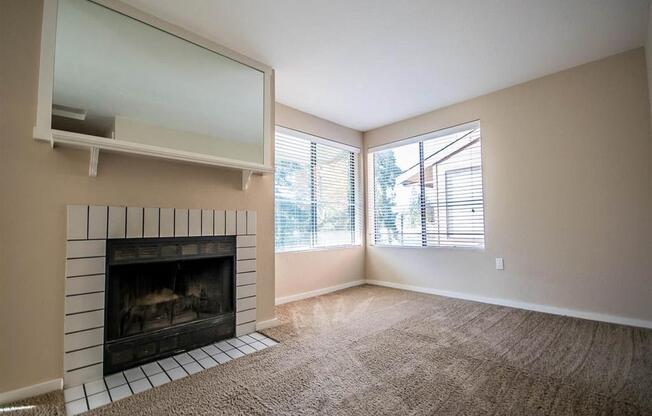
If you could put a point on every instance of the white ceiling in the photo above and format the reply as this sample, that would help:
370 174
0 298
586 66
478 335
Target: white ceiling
367 63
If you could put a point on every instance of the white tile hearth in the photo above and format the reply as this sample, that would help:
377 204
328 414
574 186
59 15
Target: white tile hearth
117 386
183 358
168 364
223 346
73 393
177 373
198 354
159 379
140 385
207 362
193 368
257 345
247 349
268 342
120 392
211 350
115 380
151 369
234 353
99 399
222 358
235 342
134 374
94 387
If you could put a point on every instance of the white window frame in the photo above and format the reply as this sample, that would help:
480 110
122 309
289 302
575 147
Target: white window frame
370 237
359 215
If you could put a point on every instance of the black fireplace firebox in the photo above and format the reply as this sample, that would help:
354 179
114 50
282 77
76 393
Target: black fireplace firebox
166 295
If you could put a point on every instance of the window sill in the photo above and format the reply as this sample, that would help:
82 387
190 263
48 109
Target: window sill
454 248
317 249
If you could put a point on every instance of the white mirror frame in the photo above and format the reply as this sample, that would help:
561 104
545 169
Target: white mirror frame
43 128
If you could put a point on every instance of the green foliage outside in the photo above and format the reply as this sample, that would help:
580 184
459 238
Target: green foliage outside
385 172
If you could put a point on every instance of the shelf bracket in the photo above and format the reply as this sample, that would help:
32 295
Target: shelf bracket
95 156
246 177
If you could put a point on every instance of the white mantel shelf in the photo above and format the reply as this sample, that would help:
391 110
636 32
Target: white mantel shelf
95 144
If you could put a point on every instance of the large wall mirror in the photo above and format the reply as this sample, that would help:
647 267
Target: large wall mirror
119 78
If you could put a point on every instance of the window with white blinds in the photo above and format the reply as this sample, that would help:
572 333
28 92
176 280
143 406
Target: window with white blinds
427 190
317 192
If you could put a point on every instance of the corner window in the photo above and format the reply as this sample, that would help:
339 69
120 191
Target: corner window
427 191
317 192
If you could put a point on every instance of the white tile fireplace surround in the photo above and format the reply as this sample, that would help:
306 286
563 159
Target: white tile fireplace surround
88 228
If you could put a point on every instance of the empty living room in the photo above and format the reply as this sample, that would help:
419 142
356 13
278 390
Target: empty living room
312 207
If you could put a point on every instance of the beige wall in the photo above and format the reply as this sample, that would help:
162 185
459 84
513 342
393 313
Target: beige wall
568 194
298 120
36 184
648 52
299 272
305 271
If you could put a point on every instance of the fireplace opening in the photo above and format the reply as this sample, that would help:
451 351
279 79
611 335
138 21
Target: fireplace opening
166 295
151 296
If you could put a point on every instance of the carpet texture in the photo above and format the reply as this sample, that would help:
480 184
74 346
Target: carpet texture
374 350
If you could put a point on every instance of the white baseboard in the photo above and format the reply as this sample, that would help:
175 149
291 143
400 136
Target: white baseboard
31 391
593 316
270 323
322 291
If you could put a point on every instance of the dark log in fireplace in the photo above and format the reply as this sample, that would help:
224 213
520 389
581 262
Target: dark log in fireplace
166 295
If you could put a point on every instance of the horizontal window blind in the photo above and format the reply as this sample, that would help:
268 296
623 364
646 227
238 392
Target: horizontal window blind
317 193
428 192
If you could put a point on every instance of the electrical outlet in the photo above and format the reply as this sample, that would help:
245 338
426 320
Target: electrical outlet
499 263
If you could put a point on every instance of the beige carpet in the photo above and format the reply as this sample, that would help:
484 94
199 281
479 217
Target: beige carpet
373 350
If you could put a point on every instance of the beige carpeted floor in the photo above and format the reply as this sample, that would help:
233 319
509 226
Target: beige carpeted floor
373 350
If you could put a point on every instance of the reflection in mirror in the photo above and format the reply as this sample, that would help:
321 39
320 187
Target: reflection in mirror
119 78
